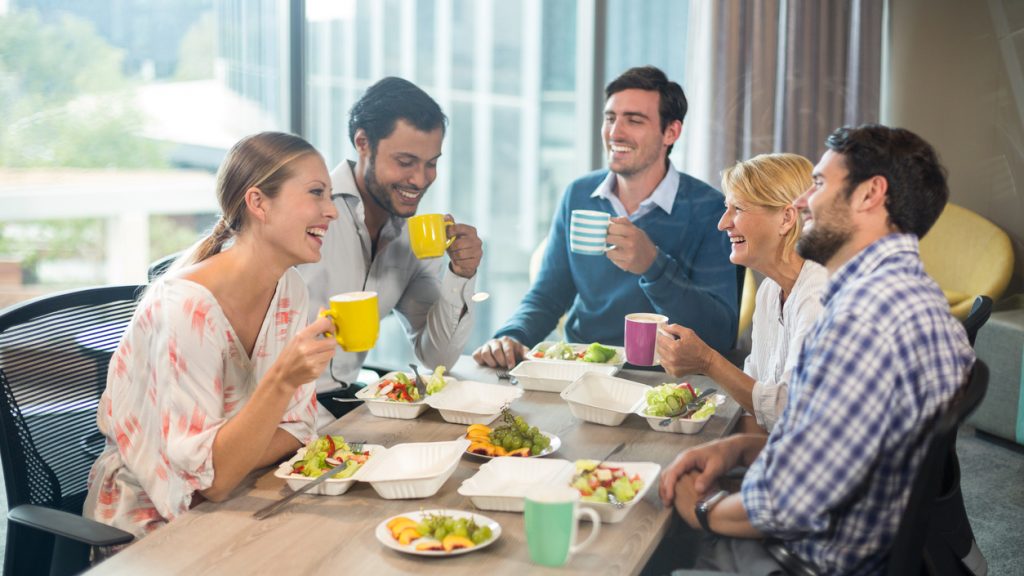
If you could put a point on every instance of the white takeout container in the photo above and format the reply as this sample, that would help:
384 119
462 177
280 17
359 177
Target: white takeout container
502 483
385 408
678 425
603 399
331 486
415 470
618 360
467 402
609 514
556 376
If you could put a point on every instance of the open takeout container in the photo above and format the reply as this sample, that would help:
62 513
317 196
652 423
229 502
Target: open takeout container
556 376
386 408
414 470
678 425
331 486
467 402
603 399
502 484
536 354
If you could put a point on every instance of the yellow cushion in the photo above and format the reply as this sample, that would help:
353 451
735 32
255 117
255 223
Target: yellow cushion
968 256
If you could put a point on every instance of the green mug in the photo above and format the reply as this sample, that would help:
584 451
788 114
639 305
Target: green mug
551 515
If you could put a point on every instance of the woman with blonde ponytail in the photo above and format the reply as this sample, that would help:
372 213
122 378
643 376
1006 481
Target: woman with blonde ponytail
214 376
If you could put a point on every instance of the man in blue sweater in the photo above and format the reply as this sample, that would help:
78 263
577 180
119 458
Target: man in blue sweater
668 257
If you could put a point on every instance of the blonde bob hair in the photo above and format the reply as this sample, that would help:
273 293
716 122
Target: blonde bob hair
771 181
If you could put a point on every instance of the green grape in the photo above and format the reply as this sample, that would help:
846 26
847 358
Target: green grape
423 527
461 531
534 431
478 537
517 443
486 530
508 442
440 533
536 449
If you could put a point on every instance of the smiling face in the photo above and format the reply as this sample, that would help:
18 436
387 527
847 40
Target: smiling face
297 217
632 133
825 206
754 233
402 167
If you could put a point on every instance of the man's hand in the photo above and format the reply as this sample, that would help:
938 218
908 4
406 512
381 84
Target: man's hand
687 496
684 354
634 252
504 352
706 463
467 249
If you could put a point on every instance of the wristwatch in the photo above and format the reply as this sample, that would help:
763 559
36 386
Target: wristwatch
703 508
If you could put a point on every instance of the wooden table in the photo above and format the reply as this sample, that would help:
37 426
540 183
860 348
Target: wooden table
336 534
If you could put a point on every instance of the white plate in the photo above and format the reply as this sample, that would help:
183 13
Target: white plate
556 443
385 537
617 360
331 486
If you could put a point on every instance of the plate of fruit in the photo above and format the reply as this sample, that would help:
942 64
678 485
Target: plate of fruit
438 532
512 436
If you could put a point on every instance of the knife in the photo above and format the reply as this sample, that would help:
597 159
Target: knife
273 508
694 404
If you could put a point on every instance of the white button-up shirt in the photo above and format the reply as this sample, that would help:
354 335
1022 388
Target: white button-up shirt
428 297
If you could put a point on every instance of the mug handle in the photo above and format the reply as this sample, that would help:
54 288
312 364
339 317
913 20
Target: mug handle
448 243
327 313
594 531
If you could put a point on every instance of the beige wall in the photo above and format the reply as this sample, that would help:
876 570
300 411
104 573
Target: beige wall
957 79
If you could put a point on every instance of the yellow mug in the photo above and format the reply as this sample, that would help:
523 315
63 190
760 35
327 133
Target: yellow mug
428 235
356 320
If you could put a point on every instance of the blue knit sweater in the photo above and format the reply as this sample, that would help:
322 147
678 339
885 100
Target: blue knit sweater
691 281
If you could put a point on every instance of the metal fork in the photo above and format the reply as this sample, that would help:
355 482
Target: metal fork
272 509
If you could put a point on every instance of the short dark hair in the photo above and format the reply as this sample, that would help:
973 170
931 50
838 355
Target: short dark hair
389 100
917 191
671 102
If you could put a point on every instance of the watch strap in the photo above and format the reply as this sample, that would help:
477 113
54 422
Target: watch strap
703 509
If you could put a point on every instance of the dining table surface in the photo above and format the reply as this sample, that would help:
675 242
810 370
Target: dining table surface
336 534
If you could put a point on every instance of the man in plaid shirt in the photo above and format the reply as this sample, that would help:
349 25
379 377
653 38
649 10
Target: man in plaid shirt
833 478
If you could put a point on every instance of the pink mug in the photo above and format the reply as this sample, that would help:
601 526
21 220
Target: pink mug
641 334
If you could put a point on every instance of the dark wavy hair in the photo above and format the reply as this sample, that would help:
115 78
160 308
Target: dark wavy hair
917 191
389 100
671 102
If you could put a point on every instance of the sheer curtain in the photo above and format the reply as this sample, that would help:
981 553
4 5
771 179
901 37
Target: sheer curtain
777 76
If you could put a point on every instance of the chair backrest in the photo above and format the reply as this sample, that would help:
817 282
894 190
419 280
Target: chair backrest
158 267
54 354
907 553
980 311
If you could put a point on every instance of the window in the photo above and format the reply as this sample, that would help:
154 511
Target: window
110 163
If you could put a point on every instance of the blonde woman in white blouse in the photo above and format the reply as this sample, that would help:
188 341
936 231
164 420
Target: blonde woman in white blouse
763 227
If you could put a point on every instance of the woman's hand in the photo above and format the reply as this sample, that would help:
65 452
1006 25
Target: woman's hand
306 356
682 352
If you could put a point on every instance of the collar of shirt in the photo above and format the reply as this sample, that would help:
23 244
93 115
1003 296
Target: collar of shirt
345 187
663 196
868 259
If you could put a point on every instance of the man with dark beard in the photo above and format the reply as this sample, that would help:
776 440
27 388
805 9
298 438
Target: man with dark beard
876 370
397 131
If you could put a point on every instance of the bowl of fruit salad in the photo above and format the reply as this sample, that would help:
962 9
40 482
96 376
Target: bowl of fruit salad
395 394
321 455
625 482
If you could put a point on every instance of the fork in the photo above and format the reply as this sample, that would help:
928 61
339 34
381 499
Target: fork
502 374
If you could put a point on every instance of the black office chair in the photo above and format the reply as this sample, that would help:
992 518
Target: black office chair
980 312
54 353
913 552
158 267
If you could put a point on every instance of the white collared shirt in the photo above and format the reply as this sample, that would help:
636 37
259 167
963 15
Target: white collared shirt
663 196
428 297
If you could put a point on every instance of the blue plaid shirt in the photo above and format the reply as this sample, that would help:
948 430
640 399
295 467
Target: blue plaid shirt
882 361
